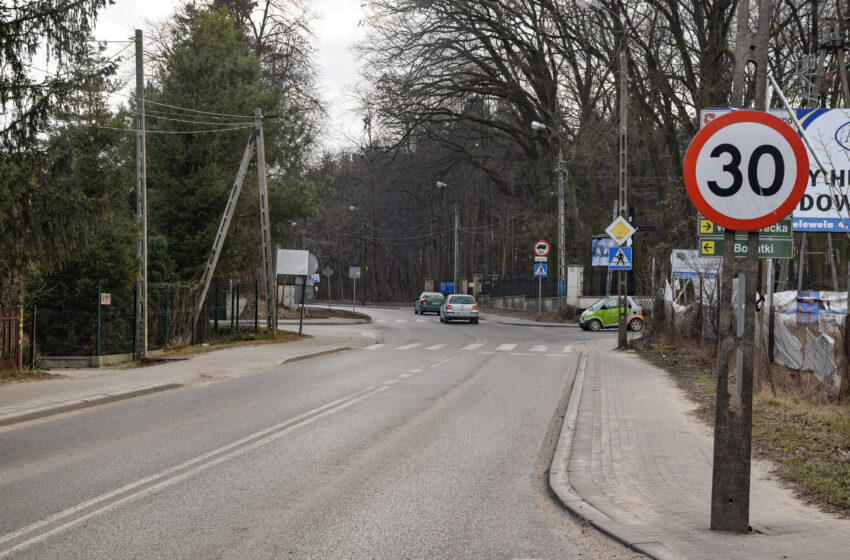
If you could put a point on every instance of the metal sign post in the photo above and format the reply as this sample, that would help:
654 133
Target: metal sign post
354 274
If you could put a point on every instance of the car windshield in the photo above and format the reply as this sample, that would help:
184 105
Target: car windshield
429 295
462 299
599 304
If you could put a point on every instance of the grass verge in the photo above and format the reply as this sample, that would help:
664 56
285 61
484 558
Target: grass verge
809 442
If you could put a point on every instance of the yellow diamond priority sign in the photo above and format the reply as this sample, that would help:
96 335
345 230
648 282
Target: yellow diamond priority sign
620 230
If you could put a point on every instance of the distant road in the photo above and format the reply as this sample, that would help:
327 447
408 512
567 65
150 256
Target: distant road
421 445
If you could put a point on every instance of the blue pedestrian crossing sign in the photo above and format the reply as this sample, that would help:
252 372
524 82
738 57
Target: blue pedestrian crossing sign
539 270
620 258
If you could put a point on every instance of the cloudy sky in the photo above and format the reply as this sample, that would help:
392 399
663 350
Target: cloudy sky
335 30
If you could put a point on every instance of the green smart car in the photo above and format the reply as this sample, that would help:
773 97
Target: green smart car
603 313
428 302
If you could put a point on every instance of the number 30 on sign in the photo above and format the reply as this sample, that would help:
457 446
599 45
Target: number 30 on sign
746 170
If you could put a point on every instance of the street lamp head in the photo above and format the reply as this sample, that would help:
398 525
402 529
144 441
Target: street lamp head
441 185
538 126
353 208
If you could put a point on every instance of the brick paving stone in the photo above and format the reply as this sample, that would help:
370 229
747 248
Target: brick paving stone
641 457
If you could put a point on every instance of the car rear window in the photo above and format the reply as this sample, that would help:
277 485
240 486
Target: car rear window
463 299
432 296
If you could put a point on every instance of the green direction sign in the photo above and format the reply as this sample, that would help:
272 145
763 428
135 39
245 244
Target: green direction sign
768 248
780 230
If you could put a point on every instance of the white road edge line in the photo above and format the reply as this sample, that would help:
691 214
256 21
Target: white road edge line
438 364
262 438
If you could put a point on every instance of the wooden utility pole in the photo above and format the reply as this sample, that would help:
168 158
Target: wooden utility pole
730 492
623 199
223 226
141 330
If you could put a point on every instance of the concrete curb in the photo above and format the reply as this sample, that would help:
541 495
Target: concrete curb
88 402
559 483
106 398
324 322
544 325
300 357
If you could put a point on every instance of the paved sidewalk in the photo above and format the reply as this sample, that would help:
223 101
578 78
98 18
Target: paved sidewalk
634 463
23 401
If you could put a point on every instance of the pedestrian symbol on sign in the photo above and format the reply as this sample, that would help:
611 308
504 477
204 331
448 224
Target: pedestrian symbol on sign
621 259
539 269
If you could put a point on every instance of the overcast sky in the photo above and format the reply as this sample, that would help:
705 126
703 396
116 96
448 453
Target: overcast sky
335 31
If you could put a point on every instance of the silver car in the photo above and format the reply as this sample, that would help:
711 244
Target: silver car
459 308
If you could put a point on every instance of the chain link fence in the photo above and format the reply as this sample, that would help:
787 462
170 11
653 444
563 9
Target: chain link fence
100 320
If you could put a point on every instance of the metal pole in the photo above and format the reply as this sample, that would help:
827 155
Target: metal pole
562 265
165 321
32 337
97 336
141 335
539 292
457 249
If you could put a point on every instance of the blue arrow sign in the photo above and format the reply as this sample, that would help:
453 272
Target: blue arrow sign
620 258
539 270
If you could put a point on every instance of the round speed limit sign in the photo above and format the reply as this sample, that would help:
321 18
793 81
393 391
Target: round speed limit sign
746 170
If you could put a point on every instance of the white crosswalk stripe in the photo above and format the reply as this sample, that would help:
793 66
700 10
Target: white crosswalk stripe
567 349
401 320
373 347
538 348
506 347
408 346
473 346
436 347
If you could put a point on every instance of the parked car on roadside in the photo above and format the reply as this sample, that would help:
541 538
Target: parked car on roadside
603 314
459 308
429 302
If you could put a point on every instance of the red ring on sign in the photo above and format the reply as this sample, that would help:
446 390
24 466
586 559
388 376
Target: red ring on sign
548 248
770 218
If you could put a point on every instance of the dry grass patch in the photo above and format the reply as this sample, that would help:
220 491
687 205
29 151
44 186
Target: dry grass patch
802 430
13 376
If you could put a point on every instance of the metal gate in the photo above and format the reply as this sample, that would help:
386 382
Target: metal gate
11 337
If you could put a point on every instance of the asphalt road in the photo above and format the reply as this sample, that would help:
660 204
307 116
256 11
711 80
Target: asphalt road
427 444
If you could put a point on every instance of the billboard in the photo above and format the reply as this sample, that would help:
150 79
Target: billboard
825 205
687 264
599 250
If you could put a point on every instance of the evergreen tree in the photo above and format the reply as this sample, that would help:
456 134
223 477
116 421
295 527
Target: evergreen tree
59 29
194 151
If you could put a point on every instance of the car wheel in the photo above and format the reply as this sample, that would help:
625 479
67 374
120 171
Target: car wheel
635 324
594 325
415 311
441 319
475 321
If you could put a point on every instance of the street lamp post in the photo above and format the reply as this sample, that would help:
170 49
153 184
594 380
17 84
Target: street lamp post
455 279
562 265
622 199
353 208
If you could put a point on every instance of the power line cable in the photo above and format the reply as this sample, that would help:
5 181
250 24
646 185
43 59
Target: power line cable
166 131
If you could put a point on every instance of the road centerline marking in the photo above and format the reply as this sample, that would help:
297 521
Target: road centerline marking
182 471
